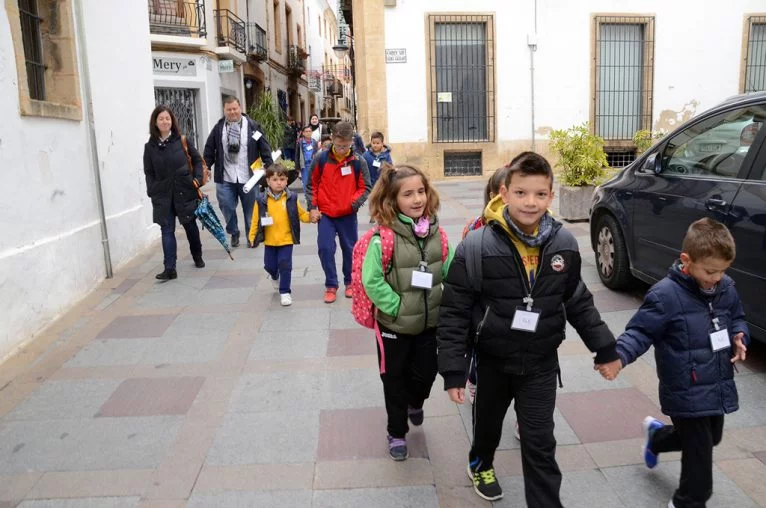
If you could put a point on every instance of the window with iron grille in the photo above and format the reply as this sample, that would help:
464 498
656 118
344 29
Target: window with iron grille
33 48
619 158
183 103
755 61
623 58
45 49
462 163
462 76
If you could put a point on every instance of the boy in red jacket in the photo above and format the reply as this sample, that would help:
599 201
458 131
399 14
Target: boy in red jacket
337 187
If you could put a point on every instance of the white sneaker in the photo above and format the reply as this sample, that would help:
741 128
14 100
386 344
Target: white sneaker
286 299
274 282
670 503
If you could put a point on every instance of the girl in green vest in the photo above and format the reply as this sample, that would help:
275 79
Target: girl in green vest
407 294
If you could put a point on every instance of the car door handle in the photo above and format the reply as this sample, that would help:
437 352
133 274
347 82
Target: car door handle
715 204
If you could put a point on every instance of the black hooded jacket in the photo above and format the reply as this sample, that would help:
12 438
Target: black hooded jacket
558 292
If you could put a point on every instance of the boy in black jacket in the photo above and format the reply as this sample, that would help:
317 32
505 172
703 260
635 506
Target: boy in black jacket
529 286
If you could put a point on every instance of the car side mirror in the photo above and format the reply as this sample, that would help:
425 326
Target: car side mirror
651 164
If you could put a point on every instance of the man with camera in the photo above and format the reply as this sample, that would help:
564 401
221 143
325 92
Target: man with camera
234 144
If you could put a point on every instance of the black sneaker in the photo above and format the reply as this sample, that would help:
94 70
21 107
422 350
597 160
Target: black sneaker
234 241
397 448
484 482
199 262
168 274
415 415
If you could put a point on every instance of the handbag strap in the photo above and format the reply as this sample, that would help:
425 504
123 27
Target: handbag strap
191 166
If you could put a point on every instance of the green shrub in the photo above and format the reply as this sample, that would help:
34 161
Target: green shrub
645 138
581 156
266 113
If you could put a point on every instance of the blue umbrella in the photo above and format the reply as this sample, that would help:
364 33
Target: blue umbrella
209 220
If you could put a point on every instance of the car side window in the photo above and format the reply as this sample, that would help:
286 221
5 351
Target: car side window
715 147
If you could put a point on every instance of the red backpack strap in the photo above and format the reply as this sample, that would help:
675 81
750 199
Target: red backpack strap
445 244
386 246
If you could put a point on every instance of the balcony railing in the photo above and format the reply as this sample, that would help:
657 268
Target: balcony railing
231 30
296 59
334 87
177 17
257 45
314 78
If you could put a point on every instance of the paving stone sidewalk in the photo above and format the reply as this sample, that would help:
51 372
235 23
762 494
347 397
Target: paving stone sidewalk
205 392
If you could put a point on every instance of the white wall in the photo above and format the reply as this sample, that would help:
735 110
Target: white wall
697 59
50 248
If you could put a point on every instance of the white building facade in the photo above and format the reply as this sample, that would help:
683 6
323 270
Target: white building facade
198 51
460 88
52 248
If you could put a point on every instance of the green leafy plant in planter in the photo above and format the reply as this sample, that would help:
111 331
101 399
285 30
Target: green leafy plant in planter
583 162
266 113
645 138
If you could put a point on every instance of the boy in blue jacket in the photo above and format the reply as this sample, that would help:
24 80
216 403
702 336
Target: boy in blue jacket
377 153
694 319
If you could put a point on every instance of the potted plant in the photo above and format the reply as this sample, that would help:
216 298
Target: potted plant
266 113
272 121
644 139
582 160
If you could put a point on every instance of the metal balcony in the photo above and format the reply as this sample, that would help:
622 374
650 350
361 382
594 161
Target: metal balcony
257 42
185 18
231 30
296 60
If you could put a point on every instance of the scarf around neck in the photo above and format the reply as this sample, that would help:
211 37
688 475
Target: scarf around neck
233 133
422 227
544 230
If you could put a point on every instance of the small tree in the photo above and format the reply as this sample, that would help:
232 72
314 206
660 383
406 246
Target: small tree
266 113
581 155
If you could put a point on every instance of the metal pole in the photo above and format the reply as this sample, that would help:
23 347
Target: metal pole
532 49
532 79
88 106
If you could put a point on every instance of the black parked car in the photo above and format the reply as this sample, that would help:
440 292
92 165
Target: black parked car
713 165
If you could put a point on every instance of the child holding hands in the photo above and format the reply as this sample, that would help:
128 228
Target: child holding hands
694 319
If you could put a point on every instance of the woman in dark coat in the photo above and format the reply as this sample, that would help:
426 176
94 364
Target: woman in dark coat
170 186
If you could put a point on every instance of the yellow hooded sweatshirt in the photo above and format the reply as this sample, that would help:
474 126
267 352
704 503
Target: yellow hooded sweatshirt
530 256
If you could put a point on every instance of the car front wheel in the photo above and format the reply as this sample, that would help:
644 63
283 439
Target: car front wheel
612 254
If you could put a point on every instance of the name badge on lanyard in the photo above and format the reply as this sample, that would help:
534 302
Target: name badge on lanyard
525 319
345 171
719 338
422 278
267 221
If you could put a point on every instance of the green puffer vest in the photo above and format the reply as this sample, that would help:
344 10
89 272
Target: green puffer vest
418 308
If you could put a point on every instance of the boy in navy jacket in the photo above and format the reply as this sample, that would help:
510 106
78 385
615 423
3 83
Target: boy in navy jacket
694 319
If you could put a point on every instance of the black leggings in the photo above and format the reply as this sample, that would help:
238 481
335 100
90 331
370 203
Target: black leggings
410 362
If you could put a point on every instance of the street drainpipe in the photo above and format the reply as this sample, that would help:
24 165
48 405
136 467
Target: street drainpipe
95 162
532 45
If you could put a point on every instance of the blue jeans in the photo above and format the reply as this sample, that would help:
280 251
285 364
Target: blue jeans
278 262
169 246
288 154
346 228
227 194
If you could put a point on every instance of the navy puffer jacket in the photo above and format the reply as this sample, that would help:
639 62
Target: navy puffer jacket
677 318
